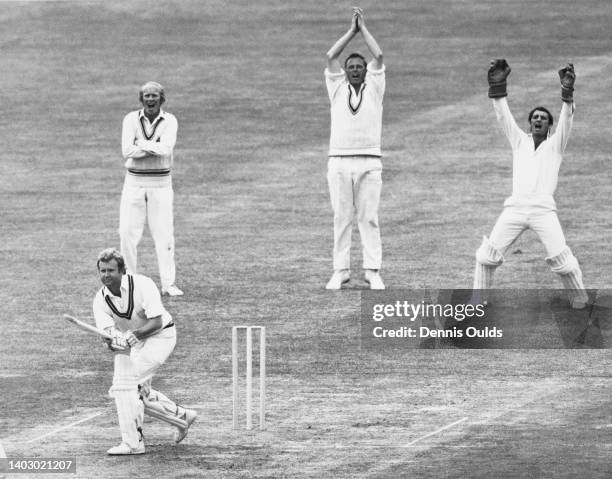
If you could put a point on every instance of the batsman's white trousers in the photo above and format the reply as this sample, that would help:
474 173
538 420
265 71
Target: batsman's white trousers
138 367
355 184
154 205
148 355
514 220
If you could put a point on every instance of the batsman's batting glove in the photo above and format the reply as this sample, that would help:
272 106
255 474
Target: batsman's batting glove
119 342
131 338
567 77
496 76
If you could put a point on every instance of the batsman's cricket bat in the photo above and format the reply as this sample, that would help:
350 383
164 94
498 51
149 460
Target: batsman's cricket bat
87 327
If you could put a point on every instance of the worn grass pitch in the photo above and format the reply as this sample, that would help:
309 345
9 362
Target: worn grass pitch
253 231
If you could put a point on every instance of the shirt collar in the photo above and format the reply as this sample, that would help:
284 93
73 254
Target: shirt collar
124 287
356 92
548 135
162 114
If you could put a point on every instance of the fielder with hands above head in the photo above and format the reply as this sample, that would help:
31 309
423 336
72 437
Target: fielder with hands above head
354 166
147 141
129 308
536 161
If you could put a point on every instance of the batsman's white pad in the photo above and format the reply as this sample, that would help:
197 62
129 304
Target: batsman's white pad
162 400
128 414
159 406
123 374
125 392
156 410
163 416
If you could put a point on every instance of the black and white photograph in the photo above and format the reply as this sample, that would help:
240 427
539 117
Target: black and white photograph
304 239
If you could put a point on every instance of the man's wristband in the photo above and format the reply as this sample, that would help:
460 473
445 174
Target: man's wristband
498 89
567 94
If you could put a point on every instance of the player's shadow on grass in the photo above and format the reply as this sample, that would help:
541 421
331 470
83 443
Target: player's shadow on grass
588 328
531 319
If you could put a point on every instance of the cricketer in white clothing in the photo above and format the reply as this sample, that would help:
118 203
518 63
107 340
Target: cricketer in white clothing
354 166
147 142
129 308
536 159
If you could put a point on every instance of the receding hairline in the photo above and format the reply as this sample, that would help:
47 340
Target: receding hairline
152 85
355 55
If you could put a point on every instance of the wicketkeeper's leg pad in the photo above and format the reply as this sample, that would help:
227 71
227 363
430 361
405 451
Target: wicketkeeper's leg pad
488 258
566 266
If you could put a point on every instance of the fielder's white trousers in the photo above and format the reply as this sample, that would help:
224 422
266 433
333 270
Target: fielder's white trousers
514 220
154 205
355 184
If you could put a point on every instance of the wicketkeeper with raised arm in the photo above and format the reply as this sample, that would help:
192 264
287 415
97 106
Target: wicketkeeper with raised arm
129 308
354 167
536 161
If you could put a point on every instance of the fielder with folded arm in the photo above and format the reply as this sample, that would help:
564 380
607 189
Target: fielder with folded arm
147 142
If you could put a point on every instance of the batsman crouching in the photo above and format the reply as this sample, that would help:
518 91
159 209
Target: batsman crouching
536 161
129 308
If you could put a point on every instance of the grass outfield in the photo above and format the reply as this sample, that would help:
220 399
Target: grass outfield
253 234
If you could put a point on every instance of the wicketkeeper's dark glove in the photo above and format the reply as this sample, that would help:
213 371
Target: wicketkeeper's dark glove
567 77
497 74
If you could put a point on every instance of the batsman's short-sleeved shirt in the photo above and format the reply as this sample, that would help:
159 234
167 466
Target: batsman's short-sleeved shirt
356 116
139 301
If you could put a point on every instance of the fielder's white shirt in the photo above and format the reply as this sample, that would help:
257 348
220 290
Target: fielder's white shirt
159 136
534 172
139 301
356 116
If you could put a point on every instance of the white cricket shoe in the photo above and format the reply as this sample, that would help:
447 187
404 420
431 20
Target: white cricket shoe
339 277
579 303
479 297
124 449
172 290
371 276
180 433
